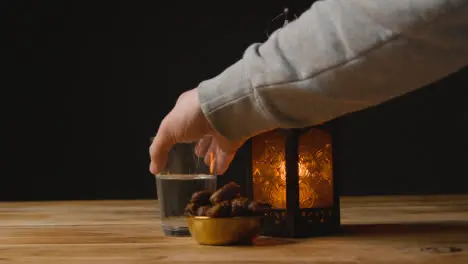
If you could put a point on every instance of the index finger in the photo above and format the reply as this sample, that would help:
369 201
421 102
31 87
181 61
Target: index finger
160 147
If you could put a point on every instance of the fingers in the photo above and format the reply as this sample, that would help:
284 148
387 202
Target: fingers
202 146
186 123
160 148
217 159
210 154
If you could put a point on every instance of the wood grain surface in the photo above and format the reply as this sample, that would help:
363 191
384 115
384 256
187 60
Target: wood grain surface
429 229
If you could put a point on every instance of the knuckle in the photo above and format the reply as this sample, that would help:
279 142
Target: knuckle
180 98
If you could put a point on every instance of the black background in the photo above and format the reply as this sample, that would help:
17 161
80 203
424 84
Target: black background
86 83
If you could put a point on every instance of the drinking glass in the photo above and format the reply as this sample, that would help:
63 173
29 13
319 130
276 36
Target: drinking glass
184 174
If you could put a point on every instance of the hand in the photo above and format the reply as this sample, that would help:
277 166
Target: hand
186 123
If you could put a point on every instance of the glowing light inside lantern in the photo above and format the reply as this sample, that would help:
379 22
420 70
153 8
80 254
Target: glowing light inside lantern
314 169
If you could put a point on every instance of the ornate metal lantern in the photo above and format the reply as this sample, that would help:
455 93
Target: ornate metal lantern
293 171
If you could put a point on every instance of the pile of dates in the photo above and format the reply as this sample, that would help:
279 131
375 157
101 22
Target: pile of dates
225 202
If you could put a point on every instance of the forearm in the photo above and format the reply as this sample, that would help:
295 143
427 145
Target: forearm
340 56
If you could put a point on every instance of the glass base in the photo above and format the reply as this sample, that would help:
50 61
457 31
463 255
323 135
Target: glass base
176 231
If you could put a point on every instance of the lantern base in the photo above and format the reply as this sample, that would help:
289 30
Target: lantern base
308 222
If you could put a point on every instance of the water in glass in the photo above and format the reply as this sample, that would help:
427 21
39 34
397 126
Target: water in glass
174 192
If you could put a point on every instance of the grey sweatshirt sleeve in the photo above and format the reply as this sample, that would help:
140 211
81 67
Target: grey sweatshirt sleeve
338 57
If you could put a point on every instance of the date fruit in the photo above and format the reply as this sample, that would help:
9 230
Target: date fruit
191 209
225 193
240 207
203 210
225 202
201 198
222 209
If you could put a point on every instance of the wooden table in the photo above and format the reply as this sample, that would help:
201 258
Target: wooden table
377 230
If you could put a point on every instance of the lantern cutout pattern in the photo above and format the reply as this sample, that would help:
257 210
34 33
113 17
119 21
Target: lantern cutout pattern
316 206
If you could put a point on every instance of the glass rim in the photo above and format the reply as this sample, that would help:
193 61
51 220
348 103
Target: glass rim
176 176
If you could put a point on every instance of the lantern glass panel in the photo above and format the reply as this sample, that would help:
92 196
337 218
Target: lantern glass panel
315 169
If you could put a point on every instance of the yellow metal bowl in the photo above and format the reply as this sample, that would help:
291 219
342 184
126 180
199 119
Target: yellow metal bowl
224 231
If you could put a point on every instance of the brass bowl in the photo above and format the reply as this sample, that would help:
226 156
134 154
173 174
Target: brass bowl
224 231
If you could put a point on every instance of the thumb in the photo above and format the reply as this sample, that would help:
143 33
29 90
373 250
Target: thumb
160 148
